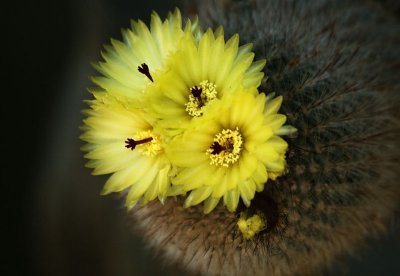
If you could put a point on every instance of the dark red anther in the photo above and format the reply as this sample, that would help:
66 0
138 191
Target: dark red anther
196 92
144 69
217 148
131 143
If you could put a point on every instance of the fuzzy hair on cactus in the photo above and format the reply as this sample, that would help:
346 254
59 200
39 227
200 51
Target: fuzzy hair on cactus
336 65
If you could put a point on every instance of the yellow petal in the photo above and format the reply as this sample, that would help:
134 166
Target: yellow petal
248 164
140 187
221 188
163 180
275 121
276 166
193 176
122 179
198 196
247 190
210 204
278 144
266 153
260 175
273 106
231 199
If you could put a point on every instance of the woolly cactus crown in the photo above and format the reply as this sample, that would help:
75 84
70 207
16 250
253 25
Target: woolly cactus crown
334 62
197 130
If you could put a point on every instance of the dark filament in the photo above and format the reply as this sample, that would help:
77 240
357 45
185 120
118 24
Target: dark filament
131 144
196 92
144 69
217 148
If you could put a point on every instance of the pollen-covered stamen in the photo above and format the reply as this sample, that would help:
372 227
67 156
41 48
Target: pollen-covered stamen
200 96
144 69
132 143
226 148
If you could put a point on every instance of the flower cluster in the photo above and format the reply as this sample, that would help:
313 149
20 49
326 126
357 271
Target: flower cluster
177 111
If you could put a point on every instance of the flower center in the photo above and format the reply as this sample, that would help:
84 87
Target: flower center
226 148
150 144
199 97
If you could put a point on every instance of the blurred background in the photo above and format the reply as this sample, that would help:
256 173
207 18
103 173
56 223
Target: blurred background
55 220
61 225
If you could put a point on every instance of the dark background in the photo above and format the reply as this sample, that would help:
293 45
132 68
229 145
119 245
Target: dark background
55 222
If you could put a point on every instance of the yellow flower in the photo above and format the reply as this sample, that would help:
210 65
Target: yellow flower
230 153
122 142
201 72
129 65
181 88
250 226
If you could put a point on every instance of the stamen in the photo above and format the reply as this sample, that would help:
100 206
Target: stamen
144 69
131 143
200 96
151 143
226 148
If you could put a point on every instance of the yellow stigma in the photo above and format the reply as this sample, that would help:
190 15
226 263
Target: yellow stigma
199 97
153 147
226 148
250 226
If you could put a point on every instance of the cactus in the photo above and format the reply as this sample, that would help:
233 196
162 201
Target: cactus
336 64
